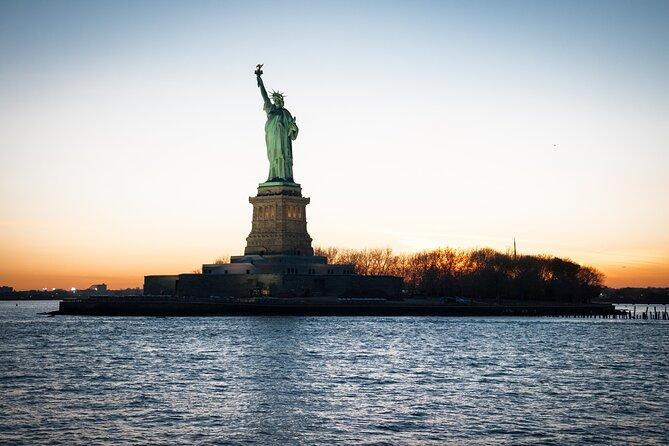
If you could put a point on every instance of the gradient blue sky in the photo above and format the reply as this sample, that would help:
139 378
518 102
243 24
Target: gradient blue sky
131 133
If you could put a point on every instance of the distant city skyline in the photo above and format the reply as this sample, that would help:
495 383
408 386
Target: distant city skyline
131 134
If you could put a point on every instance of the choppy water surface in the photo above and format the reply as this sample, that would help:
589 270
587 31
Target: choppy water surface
302 380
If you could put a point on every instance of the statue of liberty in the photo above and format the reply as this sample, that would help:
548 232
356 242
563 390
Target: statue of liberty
280 132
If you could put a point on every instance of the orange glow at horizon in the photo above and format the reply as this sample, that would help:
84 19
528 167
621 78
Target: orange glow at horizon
615 276
45 264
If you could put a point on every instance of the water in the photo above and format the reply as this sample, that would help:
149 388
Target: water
301 380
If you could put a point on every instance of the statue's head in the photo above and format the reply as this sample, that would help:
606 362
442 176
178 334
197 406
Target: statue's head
277 98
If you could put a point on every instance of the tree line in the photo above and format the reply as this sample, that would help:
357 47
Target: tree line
477 273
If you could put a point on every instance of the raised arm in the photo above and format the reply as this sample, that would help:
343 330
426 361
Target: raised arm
263 92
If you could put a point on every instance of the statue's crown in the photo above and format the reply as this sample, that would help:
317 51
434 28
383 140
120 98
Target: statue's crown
278 94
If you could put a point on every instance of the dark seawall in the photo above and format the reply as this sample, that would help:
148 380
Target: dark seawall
212 307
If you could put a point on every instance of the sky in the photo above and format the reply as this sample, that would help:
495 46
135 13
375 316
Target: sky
131 133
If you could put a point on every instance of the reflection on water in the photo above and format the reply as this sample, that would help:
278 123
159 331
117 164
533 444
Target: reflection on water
307 380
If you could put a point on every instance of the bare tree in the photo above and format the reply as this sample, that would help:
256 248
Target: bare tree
222 260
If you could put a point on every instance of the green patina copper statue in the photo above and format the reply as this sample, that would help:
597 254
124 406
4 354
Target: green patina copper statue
280 132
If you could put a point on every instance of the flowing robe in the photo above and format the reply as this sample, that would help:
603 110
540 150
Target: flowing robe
280 132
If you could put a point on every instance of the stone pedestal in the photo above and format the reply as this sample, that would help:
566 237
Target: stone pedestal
279 223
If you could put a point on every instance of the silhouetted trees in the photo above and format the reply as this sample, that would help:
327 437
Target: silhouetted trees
222 260
477 273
